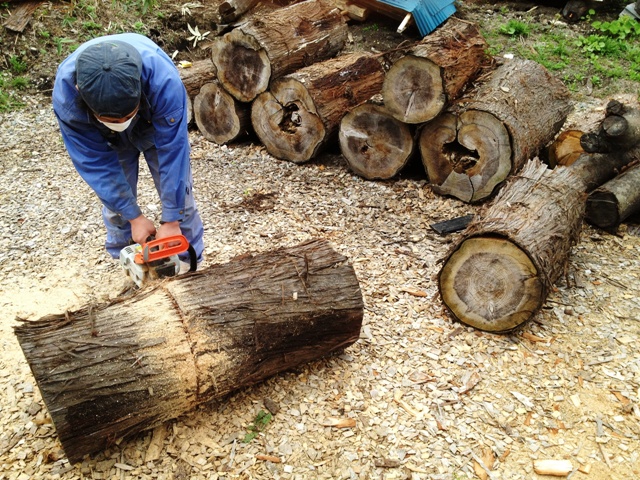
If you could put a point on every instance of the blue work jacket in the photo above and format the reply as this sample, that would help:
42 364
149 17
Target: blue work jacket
160 122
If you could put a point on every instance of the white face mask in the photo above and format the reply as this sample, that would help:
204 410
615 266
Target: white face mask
117 127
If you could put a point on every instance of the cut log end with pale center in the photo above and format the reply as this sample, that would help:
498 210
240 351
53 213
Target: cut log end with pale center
413 90
491 284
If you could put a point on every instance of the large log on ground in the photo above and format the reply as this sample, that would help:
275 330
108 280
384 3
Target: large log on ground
489 134
499 273
435 71
251 55
615 201
219 116
109 371
375 145
301 111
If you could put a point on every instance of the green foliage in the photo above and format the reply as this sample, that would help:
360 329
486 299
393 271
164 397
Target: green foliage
599 45
371 28
68 21
259 424
17 64
19 83
139 27
148 5
8 100
59 42
623 28
515 28
91 25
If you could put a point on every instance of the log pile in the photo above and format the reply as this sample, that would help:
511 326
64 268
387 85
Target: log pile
500 271
285 77
475 122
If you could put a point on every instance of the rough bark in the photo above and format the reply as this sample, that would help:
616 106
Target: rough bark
256 52
301 112
109 371
435 71
615 201
499 273
220 117
231 10
375 145
195 76
489 134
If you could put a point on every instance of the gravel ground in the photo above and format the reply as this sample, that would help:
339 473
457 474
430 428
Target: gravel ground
418 396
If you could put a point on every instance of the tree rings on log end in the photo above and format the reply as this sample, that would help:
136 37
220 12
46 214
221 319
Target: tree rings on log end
467 155
241 64
286 121
413 90
491 284
219 117
375 145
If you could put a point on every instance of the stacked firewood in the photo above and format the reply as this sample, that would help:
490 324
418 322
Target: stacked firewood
285 77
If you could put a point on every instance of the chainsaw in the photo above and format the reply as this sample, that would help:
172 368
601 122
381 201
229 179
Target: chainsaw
155 259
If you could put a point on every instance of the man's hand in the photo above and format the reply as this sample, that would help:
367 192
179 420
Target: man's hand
141 229
168 229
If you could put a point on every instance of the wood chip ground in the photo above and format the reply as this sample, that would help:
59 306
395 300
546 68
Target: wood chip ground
417 397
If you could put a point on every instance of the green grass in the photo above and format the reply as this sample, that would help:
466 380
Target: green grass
609 52
8 99
260 422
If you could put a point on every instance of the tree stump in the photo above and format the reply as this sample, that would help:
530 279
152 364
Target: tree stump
375 145
256 52
498 274
219 116
435 71
476 144
302 110
109 371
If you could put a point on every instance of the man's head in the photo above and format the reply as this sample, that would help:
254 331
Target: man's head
108 78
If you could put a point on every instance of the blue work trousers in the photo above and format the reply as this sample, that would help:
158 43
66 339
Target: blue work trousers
119 229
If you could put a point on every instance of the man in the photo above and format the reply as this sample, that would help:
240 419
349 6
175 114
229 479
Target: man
116 97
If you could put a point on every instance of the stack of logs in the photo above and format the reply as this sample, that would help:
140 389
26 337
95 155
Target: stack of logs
499 272
284 77
475 124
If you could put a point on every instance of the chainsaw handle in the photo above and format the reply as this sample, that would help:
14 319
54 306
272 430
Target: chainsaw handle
158 249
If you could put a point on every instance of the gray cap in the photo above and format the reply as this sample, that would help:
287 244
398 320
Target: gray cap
108 78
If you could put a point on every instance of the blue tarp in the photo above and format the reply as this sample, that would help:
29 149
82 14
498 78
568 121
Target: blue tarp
428 14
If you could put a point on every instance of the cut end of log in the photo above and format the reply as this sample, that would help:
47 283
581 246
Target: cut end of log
375 145
413 90
286 121
466 156
490 284
219 116
242 65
